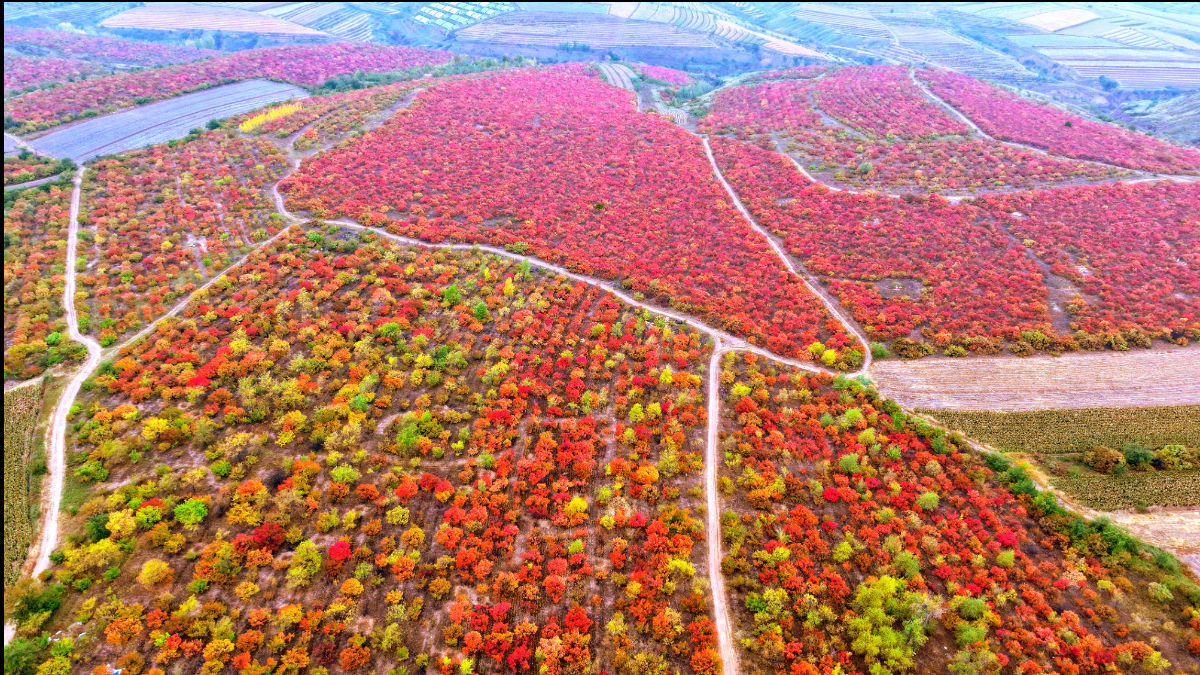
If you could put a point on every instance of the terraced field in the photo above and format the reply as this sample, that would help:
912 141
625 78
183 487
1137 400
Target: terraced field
1090 380
161 121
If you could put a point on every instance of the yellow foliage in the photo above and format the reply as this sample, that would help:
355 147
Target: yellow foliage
262 118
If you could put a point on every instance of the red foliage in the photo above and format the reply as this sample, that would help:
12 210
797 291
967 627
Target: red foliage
94 47
1010 117
976 283
883 101
26 71
339 551
668 75
1135 248
583 201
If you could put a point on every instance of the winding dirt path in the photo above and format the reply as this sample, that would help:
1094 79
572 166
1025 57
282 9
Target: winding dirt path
722 343
1138 175
56 445
56 457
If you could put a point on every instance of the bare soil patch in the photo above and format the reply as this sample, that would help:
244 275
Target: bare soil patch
1165 375
891 287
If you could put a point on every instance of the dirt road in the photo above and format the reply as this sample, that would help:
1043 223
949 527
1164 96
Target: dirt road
56 457
712 461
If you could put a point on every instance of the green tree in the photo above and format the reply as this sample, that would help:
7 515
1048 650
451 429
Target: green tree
881 604
306 562
191 513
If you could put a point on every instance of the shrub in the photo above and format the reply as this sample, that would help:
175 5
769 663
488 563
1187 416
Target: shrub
155 572
928 501
972 609
191 513
1103 459
1159 592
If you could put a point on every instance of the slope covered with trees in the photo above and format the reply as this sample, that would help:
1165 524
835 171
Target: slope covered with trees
562 166
1010 117
862 539
366 457
1093 267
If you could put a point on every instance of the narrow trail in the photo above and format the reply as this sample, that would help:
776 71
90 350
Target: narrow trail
733 342
716 580
56 445
56 457
25 146
722 343
34 183
803 274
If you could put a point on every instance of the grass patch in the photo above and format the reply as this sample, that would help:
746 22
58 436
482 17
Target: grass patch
1066 431
75 493
1133 490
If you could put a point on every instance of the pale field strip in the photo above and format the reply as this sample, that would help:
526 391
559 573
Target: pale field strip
845 19
172 16
920 34
1117 53
1140 75
550 32
1163 376
1059 19
161 121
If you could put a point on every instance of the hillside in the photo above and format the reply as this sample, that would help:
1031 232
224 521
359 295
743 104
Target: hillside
823 344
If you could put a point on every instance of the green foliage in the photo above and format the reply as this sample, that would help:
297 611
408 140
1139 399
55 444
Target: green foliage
344 473
191 513
38 600
92 471
881 604
928 501
849 463
22 656
1159 593
968 634
96 527
306 562
972 609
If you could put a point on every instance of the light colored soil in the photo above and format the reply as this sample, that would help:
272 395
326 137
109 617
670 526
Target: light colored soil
1165 375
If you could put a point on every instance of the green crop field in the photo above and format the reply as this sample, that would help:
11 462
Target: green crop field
21 408
1164 488
1066 431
